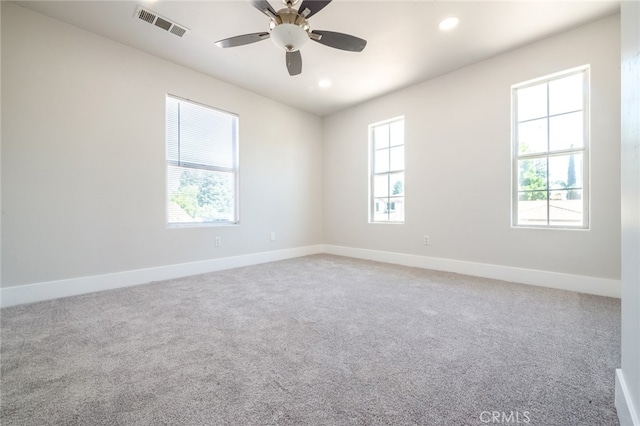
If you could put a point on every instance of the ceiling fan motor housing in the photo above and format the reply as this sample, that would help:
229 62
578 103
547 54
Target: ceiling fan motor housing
289 30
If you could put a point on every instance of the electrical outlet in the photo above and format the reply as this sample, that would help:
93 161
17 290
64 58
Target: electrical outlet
217 241
426 240
273 236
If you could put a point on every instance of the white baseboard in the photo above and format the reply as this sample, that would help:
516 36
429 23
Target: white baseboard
627 415
576 283
29 293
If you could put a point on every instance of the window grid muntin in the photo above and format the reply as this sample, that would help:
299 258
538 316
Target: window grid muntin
584 149
390 197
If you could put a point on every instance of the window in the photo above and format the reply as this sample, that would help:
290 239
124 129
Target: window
551 151
202 164
387 171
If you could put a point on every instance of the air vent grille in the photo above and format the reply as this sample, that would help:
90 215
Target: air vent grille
146 16
165 25
160 22
179 31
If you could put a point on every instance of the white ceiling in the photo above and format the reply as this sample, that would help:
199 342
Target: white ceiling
404 43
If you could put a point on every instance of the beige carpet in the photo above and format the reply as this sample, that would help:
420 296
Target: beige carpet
319 340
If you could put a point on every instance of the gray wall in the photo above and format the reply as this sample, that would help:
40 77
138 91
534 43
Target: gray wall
458 163
83 172
83 159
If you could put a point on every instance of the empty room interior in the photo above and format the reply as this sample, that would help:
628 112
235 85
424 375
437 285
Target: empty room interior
320 212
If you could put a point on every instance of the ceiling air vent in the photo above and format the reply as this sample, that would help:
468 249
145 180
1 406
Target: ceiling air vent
160 22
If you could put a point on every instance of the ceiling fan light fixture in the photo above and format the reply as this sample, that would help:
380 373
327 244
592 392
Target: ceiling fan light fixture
289 37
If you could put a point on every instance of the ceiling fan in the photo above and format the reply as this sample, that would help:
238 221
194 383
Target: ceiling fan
289 29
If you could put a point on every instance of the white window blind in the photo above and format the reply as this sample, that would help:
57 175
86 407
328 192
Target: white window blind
202 163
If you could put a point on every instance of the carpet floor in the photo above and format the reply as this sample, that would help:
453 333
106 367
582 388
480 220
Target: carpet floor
317 340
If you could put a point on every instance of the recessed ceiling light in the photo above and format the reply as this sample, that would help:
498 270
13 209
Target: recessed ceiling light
449 23
324 83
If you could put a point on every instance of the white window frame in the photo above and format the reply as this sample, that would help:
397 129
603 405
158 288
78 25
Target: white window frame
549 154
195 166
372 174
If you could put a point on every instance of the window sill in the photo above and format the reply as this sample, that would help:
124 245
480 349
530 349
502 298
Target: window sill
200 225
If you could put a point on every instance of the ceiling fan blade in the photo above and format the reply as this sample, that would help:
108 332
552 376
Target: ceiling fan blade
314 6
294 62
241 40
340 41
264 7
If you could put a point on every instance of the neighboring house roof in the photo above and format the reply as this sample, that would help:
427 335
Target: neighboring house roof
559 210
